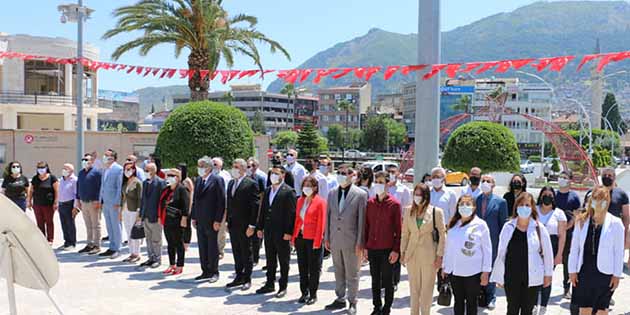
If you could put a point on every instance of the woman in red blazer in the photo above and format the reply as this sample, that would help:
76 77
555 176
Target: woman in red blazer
308 232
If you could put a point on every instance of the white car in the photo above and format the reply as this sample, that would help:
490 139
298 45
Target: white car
378 166
527 167
353 153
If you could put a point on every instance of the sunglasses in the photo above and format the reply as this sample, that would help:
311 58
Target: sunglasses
290 154
170 175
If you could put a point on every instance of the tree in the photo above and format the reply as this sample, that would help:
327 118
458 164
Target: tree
228 97
204 128
258 123
487 145
610 111
309 142
555 166
463 104
290 91
601 157
605 138
345 106
396 132
285 139
354 138
203 27
335 136
375 134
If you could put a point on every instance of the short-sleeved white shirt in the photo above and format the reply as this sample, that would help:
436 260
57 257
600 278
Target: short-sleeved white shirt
551 219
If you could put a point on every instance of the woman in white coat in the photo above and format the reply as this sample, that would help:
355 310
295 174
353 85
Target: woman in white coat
596 256
524 261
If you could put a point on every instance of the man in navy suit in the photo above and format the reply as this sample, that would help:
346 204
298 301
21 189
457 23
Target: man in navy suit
492 209
207 213
111 185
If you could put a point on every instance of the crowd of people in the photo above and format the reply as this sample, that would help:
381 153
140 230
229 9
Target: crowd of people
470 244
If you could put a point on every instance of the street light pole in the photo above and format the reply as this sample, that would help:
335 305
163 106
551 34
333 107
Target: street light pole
590 127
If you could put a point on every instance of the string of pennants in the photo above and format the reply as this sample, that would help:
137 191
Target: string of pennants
363 73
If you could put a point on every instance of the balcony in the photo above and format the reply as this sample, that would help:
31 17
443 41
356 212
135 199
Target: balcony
17 97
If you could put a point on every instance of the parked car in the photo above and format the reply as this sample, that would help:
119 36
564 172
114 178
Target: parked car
527 167
408 177
378 166
456 178
353 153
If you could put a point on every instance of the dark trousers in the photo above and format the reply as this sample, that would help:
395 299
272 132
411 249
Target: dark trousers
466 291
396 272
20 202
520 298
44 217
277 250
175 244
565 261
241 249
67 223
208 248
256 245
382 277
187 232
309 265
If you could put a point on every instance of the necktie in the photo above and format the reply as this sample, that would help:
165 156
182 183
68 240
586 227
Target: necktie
484 205
342 201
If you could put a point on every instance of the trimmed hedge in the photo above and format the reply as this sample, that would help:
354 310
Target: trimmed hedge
487 145
204 128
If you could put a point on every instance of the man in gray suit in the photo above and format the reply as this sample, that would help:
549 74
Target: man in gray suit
344 236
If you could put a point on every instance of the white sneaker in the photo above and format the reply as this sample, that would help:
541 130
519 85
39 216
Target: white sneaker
542 310
535 311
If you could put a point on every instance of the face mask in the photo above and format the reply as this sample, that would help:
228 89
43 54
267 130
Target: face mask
486 187
465 211
323 169
275 178
429 183
437 183
41 171
201 171
524 212
547 200
307 191
607 181
170 180
128 173
215 171
248 172
392 178
290 159
475 180
235 173
85 164
601 205
563 182
516 185
16 170
417 200
105 159
341 179
379 189
308 167
65 173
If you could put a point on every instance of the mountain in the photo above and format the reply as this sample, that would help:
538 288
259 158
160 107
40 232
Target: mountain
536 30
159 97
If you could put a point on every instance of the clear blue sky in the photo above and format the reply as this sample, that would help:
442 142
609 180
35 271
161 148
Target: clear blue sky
304 27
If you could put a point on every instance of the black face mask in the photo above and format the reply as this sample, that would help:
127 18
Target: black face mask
516 185
607 181
475 180
309 167
547 200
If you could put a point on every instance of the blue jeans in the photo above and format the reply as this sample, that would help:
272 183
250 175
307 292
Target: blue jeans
491 292
114 228
67 223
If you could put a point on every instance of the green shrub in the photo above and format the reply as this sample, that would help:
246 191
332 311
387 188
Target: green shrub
204 128
490 146
555 166
534 158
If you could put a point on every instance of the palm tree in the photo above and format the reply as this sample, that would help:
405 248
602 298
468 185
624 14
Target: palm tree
228 97
289 91
463 104
201 26
347 106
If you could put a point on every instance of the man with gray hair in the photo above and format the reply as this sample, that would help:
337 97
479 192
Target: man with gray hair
151 192
217 169
441 198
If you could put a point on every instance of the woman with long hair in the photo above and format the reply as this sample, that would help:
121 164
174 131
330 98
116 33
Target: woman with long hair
132 196
190 187
468 256
596 256
518 184
524 263
173 213
15 184
43 198
420 251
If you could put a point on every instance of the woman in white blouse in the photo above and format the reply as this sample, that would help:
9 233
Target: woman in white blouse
596 256
556 223
467 257
524 261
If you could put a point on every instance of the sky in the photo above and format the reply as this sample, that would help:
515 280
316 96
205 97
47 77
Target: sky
303 27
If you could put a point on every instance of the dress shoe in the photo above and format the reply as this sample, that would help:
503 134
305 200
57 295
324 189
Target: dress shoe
567 294
233 284
312 300
94 251
178 271
377 311
202 277
107 253
86 249
146 263
213 279
246 286
352 309
106 238
281 293
336 305
265 289
303 299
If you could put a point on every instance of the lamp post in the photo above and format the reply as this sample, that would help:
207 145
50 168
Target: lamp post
608 111
590 128
77 13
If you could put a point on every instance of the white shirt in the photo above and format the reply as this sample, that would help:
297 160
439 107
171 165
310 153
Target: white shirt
299 172
303 213
551 220
445 200
538 267
611 247
272 193
474 193
370 191
332 181
262 174
237 182
226 178
322 185
401 193
468 249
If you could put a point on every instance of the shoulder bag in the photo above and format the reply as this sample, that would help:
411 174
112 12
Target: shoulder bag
435 233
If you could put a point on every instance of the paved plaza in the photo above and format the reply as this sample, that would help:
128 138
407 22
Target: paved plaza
89 285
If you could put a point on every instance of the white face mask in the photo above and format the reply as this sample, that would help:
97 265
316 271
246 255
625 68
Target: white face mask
465 211
249 172
323 169
429 183
600 205
437 183
392 178
486 187
341 179
16 170
307 191
290 159
417 200
379 189
235 173
41 171
128 173
170 180
65 173
201 171
275 178
105 159
563 182
85 164
524 212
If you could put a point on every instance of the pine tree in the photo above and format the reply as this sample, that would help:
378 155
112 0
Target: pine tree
308 141
610 111
258 123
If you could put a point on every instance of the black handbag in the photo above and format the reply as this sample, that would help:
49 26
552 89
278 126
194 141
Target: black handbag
482 300
435 233
137 232
446 293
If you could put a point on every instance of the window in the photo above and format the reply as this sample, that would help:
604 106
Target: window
338 117
349 97
44 78
337 96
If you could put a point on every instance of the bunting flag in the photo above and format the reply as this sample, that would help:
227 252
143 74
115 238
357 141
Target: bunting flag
292 76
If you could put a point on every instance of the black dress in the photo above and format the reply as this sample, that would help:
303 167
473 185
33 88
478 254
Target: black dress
593 288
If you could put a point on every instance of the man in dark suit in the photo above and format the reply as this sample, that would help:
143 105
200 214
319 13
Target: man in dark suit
207 213
492 209
242 212
151 192
276 219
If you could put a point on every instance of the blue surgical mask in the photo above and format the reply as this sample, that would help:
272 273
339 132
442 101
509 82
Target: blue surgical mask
465 211
524 212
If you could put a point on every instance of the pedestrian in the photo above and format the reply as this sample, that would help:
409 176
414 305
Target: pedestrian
568 201
308 234
217 169
474 179
207 212
365 178
440 197
67 206
173 212
111 192
326 168
243 201
420 252
296 169
467 256
518 184
153 158
344 237
132 197
524 264
403 194
493 210
139 171
312 166
597 254
149 206
88 201
254 172
288 177
15 184
382 242
190 187
43 198
555 222
276 220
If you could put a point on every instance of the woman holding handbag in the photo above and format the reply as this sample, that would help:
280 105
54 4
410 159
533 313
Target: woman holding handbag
422 248
131 196
173 214
468 256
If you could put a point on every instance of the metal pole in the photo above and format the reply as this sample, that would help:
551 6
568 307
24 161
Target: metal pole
427 127
79 91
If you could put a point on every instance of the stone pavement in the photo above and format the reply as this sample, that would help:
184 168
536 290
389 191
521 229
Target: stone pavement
89 285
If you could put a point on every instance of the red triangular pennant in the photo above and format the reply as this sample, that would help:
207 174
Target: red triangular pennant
390 71
435 69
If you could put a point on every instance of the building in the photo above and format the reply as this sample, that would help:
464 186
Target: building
36 95
409 109
360 94
388 103
125 110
